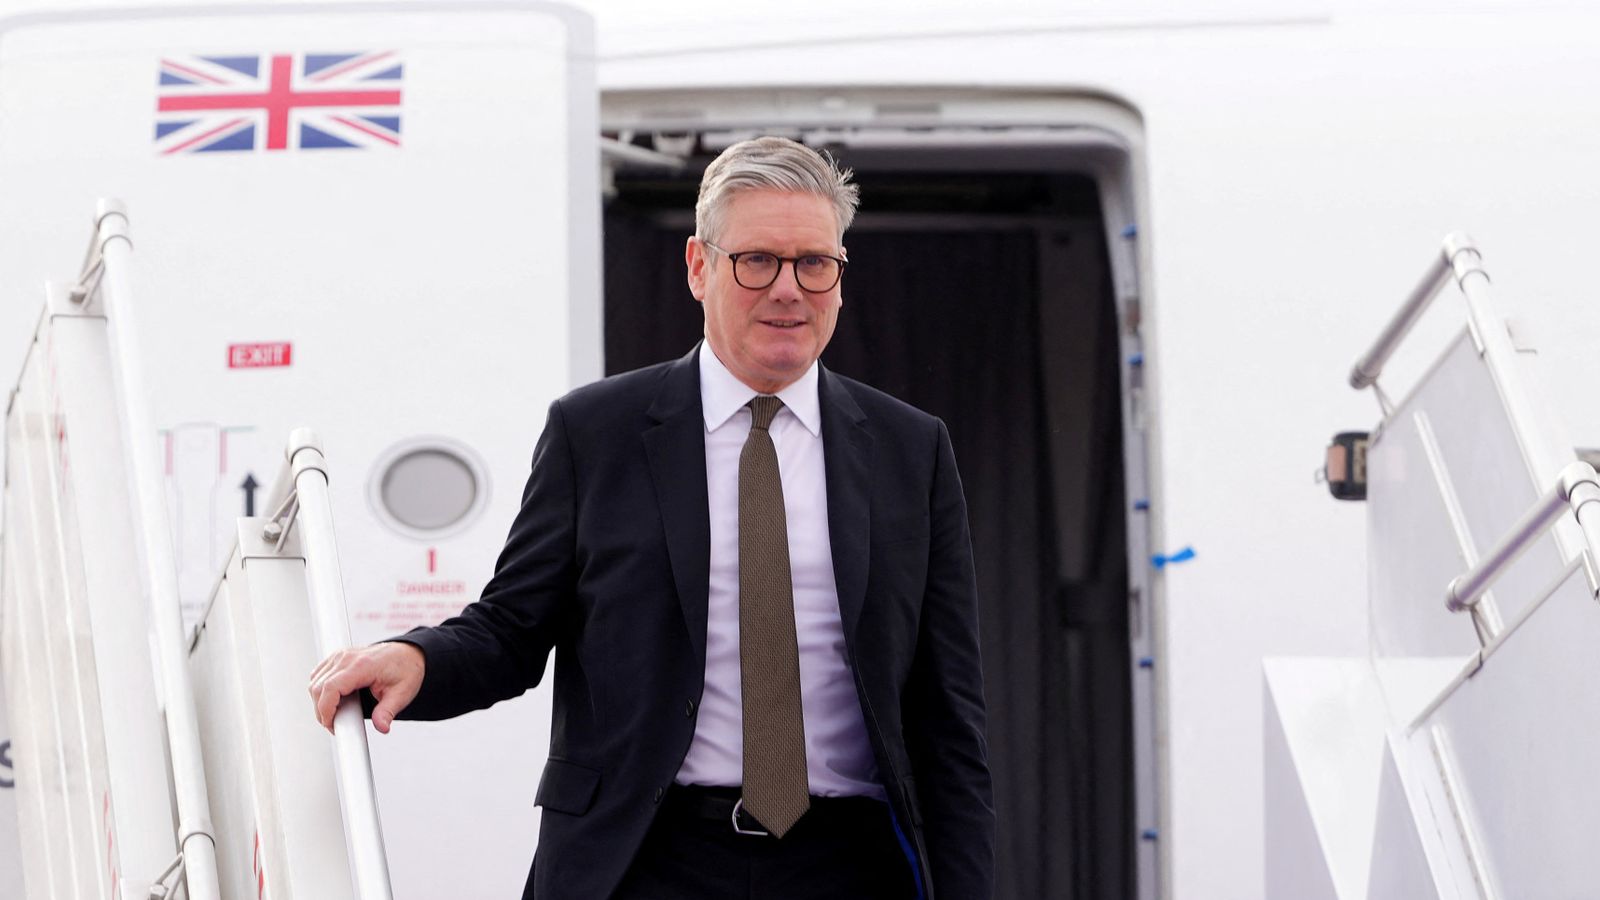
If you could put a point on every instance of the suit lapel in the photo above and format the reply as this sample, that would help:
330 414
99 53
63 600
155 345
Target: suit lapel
676 447
847 454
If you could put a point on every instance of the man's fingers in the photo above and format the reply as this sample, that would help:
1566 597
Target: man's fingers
324 666
340 674
327 703
334 663
392 671
328 697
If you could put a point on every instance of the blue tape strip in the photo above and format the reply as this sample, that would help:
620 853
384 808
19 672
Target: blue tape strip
1183 555
1130 231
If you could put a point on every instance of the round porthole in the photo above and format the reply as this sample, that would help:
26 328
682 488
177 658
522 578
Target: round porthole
428 488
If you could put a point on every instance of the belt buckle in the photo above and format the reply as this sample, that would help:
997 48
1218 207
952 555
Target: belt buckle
738 808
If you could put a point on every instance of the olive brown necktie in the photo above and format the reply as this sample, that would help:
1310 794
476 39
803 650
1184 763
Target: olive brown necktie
775 791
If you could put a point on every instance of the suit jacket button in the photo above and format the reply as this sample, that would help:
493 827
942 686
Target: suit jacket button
659 792
688 710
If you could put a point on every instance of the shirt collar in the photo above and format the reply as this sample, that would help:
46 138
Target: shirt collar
722 394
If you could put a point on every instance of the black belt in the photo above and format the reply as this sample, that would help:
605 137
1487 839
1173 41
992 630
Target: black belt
724 804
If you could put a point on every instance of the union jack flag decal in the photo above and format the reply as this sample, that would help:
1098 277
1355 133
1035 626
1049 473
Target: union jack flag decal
280 101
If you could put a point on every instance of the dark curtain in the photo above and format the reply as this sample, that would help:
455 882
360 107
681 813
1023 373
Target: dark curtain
650 316
950 321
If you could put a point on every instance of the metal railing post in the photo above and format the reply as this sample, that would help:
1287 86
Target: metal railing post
1576 489
1581 485
1370 366
1459 260
357 793
1500 357
196 843
1467 589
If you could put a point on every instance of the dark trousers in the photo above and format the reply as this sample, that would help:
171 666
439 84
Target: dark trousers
844 848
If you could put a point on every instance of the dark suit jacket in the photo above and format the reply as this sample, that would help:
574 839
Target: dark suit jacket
607 564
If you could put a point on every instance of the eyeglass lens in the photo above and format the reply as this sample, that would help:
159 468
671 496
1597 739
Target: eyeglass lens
755 271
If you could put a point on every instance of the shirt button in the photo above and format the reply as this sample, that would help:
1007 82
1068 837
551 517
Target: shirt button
688 709
659 792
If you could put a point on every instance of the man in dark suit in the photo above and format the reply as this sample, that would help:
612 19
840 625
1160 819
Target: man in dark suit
756 576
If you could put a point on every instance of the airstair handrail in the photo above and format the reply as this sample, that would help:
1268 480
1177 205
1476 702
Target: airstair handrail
1458 257
107 270
330 620
1576 489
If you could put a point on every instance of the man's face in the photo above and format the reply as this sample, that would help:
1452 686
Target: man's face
767 338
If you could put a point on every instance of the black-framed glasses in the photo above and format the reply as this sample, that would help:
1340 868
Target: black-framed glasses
756 270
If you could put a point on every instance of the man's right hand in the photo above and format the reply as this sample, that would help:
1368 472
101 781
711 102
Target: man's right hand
393 672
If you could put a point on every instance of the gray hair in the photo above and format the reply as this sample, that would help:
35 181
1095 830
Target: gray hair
772 163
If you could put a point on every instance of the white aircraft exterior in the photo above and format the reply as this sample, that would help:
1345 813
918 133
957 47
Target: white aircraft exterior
1274 179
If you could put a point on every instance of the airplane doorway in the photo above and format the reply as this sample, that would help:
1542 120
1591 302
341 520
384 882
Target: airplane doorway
985 296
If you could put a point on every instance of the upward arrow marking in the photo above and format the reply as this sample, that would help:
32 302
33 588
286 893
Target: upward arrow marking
249 485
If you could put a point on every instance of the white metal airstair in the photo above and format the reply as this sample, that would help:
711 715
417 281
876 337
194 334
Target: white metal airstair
1457 760
154 761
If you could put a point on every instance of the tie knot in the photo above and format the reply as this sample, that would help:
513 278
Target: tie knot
763 408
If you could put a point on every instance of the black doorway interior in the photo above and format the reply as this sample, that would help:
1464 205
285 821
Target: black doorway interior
985 298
